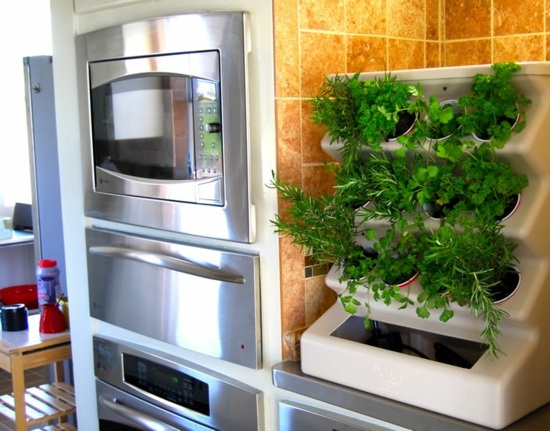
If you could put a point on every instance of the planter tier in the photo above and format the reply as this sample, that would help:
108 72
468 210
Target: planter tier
490 392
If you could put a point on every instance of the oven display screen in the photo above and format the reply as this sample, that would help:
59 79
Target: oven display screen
167 383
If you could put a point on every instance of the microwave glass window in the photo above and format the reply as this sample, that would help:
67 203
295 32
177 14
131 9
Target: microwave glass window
157 127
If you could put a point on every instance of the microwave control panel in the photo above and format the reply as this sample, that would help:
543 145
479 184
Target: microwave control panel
208 129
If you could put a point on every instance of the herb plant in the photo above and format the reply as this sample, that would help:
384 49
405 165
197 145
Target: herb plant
441 119
324 227
490 183
463 266
494 106
365 113
465 257
394 261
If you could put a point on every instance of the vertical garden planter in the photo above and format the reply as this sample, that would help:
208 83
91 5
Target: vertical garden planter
466 383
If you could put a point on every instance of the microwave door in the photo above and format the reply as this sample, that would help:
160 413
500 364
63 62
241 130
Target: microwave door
205 191
159 137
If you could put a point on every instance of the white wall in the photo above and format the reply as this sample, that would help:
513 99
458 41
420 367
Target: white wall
25 31
263 160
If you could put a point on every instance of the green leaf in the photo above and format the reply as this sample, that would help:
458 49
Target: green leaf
423 312
423 297
446 315
433 171
401 152
351 309
370 234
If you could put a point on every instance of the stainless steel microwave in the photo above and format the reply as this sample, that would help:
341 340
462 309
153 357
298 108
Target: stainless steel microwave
167 124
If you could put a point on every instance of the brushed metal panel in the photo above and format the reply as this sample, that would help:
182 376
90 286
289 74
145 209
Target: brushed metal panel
224 32
201 299
297 417
132 402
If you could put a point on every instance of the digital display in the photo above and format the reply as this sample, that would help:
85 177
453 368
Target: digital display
167 383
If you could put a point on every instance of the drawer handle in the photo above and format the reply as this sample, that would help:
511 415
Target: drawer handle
167 262
135 416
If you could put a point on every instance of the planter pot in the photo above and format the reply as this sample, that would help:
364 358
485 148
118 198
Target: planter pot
403 281
441 135
511 207
404 126
408 281
483 137
367 251
507 286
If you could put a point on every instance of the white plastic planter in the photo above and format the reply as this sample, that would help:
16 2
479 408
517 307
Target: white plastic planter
493 392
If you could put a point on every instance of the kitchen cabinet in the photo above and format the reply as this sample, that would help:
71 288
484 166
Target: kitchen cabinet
81 16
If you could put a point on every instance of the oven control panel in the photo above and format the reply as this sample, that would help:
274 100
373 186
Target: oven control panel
167 383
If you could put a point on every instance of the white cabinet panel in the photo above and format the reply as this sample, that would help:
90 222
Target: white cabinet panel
86 6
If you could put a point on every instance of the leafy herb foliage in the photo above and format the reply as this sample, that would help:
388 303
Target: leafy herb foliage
467 182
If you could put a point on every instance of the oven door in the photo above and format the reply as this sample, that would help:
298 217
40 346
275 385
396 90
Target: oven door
119 411
198 298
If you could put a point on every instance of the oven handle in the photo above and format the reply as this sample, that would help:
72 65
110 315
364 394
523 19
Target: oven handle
167 262
135 416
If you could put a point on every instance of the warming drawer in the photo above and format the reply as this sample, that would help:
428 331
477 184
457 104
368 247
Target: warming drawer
297 417
198 298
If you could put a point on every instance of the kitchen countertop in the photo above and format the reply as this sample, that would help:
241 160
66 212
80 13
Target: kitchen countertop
289 376
18 238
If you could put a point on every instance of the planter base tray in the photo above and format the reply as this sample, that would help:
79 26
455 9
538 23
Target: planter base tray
493 393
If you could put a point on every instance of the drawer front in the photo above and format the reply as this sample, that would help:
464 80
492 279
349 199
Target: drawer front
201 299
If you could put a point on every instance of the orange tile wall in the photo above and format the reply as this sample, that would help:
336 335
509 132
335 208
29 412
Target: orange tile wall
315 38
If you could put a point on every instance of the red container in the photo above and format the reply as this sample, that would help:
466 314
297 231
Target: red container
51 319
22 294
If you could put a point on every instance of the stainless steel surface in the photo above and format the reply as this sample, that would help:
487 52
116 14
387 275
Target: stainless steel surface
298 417
203 64
202 299
232 217
168 262
133 415
289 376
121 402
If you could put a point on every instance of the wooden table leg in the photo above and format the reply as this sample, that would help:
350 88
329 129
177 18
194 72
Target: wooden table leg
18 382
58 372
59 376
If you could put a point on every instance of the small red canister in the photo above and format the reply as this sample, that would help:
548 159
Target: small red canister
51 319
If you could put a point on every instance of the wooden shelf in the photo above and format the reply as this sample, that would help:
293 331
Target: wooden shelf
43 403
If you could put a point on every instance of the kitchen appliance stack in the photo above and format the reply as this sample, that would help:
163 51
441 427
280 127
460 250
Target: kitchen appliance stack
168 139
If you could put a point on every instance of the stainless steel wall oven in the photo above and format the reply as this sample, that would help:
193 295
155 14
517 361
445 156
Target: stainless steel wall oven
168 124
138 388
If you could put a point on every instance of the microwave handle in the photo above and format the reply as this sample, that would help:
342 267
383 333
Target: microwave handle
167 262
135 416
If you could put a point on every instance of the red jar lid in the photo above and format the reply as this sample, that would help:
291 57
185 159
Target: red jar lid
47 263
